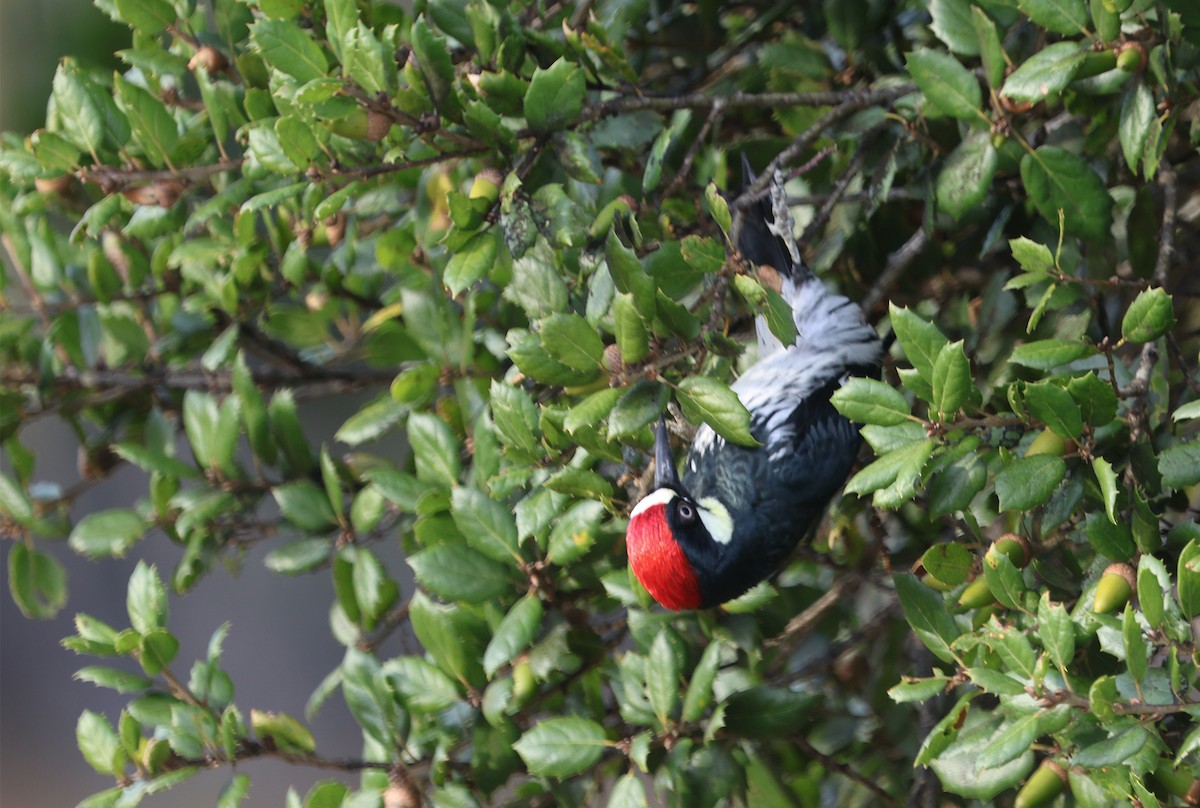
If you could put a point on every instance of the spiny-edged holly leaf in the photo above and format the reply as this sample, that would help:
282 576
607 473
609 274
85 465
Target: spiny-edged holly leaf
515 632
920 339
1180 465
1055 408
706 400
1048 354
455 571
146 600
107 534
555 97
926 613
1148 317
99 743
1057 179
1027 482
1057 632
471 262
487 525
562 747
1045 73
1137 114
952 25
287 47
1060 16
515 417
435 449
949 87
149 17
958 768
1109 488
950 563
1189 579
573 341
870 401
37 581
304 505
967 175
641 404
951 381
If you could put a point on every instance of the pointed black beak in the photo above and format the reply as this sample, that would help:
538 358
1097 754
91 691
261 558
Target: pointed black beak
664 465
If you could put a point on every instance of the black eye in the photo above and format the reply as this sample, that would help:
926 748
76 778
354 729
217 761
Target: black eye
687 514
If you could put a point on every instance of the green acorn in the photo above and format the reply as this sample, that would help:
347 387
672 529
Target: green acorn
486 185
976 595
1042 786
1115 587
1017 548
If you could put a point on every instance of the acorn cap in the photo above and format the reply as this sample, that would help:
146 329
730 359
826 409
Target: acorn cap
487 184
1116 585
1042 786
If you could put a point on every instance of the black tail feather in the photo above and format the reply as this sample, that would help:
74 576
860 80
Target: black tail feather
757 243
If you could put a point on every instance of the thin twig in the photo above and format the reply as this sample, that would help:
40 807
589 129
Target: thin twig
685 167
849 773
896 264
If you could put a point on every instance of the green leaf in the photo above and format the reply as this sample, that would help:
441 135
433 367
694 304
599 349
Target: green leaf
435 449
573 341
1188 577
299 556
967 174
921 340
628 792
1137 650
515 632
304 505
1057 632
1032 257
574 532
1109 538
925 611
1180 465
1048 354
662 677
455 571
1045 74
1095 397
950 563
471 262
82 121
1027 482
1107 478
148 17
765 711
107 534
1055 408
641 404
153 126
515 417
718 208
707 400
959 771
421 686
1137 115
37 582
631 331
1057 179
1060 16
1004 580
555 97
487 525
146 600
991 50
1013 740
951 380
870 401
1149 316
949 87
287 733
952 25
699 694
285 46
562 747
918 689
99 743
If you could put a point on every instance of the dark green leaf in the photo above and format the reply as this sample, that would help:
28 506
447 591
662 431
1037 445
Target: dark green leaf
1047 354
706 400
1055 408
921 340
571 340
1044 74
951 380
562 747
1060 16
870 401
949 87
286 46
1180 465
926 614
967 175
950 563
146 600
1057 179
1137 114
471 262
515 632
486 524
304 505
765 711
435 449
1149 316
1189 579
107 533
555 97
1027 482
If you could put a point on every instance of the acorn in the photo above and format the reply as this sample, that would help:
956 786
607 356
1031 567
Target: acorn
486 185
1042 786
1116 585
976 595
1131 56
1017 548
208 57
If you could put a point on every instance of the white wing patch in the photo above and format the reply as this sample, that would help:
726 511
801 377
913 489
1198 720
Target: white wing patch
716 519
660 497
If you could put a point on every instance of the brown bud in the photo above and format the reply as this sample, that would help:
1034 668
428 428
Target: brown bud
208 57
335 229
163 193
1015 107
53 185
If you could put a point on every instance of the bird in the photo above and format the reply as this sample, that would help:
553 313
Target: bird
737 513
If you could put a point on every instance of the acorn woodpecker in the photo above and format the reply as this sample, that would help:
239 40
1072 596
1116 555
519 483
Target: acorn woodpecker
738 513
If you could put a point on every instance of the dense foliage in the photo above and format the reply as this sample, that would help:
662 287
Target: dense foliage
510 224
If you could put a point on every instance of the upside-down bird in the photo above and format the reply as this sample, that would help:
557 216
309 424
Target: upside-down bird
738 513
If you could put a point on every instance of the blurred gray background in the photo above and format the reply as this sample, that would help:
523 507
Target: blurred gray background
279 647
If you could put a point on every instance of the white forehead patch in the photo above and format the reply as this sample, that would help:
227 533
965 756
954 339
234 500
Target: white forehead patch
660 497
716 520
